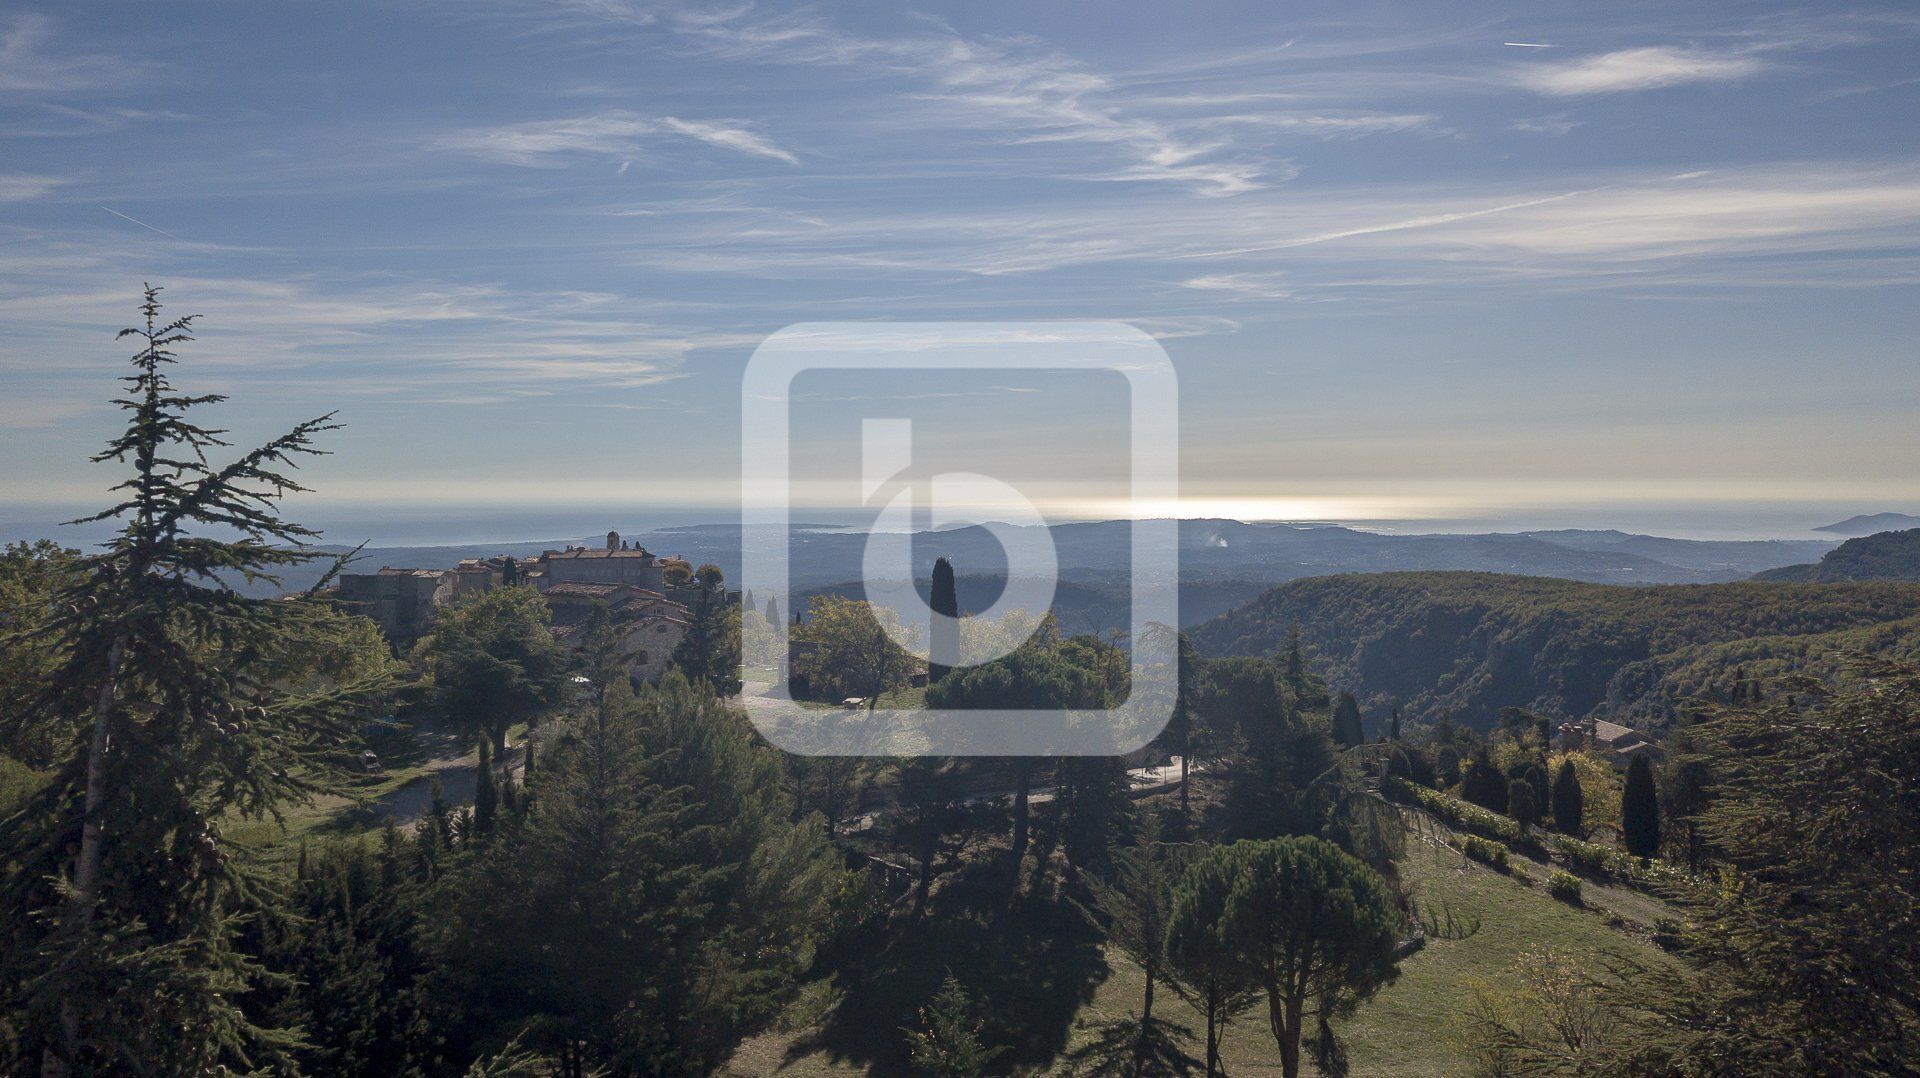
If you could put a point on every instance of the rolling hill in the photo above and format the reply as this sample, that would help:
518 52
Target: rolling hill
1886 556
1469 644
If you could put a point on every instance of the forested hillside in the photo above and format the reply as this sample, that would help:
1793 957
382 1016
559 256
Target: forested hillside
1469 644
1886 556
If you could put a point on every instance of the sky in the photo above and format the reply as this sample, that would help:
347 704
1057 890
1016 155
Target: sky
1409 260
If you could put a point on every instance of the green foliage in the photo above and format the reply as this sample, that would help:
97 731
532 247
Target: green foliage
1485 851
1881 556
1469 644
1456 812
947 1043
1483 785
849 649
169 709
493 662
1347 728
1810 938
710 650
1295 917
656 903
1520 802
1569 805
1564 886
1640 810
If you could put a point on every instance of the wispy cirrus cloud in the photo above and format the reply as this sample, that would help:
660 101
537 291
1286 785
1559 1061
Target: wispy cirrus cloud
1637 69
29 62
614 133
1027 92
20 186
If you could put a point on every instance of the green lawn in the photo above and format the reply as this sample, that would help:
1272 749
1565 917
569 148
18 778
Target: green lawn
1403 1030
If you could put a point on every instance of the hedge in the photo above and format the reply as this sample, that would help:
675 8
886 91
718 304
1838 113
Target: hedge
1564 886
1485 851
1455 811
1589 857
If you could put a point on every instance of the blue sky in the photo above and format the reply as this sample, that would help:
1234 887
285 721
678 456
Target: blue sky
1410 259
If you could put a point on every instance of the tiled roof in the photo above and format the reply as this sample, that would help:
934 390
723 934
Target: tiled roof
579 553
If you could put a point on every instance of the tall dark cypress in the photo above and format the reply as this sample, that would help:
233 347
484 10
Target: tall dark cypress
1640 810
1569 803
773 610
944 638
1347 728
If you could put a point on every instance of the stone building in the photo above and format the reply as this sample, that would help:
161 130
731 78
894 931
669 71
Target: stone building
616 563
650 625
625 576
401 601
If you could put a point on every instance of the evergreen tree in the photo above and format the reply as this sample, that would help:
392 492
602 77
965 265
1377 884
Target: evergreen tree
944 631
182 705
1640 810
1483 786
1394 732
1569 803
1296 917
1520 803
1132 903
1347 729
655 904
947 1043
710 650
773 610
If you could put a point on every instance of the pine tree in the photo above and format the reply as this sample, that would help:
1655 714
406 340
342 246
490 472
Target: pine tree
947 1043
944 635
186 704
1569 803
1640 810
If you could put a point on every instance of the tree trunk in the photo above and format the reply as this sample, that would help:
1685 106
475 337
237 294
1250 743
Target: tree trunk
1213 1029
1284 1015
1146 1025
1022 811
86 867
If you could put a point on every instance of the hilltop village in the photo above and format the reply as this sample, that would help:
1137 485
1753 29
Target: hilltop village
648 596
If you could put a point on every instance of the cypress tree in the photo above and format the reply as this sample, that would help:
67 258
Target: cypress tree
773 610
1395 733
1569 803
1347 729
944 635
1640 809
1520 803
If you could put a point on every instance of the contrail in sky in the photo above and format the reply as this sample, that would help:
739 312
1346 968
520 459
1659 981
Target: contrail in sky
141 223
1529 45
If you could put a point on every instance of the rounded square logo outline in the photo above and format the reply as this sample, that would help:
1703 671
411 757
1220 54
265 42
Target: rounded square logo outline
1153 577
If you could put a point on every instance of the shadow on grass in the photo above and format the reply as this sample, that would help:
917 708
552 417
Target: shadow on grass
1029 966
1117 1047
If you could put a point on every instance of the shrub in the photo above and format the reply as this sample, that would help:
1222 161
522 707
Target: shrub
1486 851
1466 817
1564 886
